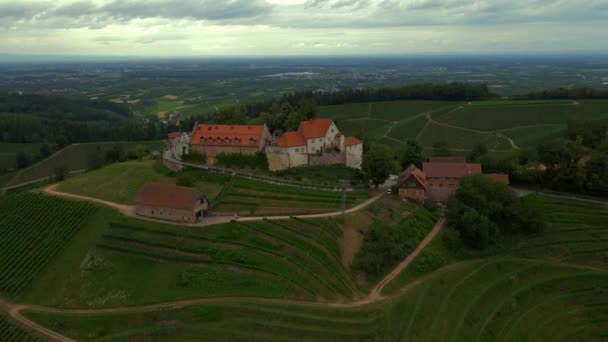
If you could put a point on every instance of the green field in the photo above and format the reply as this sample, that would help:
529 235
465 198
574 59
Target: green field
118 182
254 197
72 158
8 153
124 261
12 332
548 286
463 125
34 228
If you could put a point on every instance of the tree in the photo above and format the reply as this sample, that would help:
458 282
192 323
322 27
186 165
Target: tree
411 154
141 151
45 150
59 173
379 163
308 107
441 149
482 209
479 151
22 160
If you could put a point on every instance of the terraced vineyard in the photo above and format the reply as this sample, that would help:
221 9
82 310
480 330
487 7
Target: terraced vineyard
10 332
289 259
253 197
481 300
527 123
577 233
34 228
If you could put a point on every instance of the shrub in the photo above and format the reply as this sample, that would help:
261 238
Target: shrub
195 157
256 161
185 179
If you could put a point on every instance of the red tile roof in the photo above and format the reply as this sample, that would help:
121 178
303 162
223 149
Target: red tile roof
290 139
412 170
448 160
450 169
164 195
315 128
227 135
350 141
498 177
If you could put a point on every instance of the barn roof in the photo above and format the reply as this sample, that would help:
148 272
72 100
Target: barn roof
350 141
450 169
291 139
227 135
165 195
315 128
415 172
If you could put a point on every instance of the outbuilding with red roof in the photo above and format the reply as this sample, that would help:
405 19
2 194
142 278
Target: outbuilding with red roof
171 202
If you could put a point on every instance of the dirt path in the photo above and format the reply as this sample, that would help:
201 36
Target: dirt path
129 210
376 293
14 310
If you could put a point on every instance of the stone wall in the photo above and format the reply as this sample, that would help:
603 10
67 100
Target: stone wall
281 158
167 214
327 158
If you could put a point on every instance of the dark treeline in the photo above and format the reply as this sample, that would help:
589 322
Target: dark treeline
426 91
282 108
563 93
62 121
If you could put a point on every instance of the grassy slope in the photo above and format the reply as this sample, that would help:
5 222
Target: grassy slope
8 153
73 157
526 122
117 182
536 288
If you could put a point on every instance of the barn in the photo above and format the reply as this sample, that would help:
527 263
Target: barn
171 202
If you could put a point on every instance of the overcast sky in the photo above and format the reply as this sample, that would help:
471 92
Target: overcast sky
300 27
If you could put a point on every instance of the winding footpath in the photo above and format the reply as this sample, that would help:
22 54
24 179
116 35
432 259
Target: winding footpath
129 210
375 296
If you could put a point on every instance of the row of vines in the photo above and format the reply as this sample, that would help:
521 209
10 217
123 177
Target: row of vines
34 227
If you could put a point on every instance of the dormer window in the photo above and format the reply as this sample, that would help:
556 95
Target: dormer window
237 141
210 140
251 141
218 140
227 140
202 140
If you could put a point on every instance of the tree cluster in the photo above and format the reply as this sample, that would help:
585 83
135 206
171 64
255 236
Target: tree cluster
567 93
481 210
62 121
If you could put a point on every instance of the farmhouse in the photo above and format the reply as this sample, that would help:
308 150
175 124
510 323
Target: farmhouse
439 178
317 142
170 202
212 140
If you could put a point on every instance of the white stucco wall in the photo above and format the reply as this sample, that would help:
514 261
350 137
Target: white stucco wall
354 156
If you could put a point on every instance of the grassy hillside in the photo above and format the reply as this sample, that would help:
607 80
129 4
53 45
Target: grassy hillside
120 183
524 293
123 261
34 228
8 153
73 157
463 125
11 332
